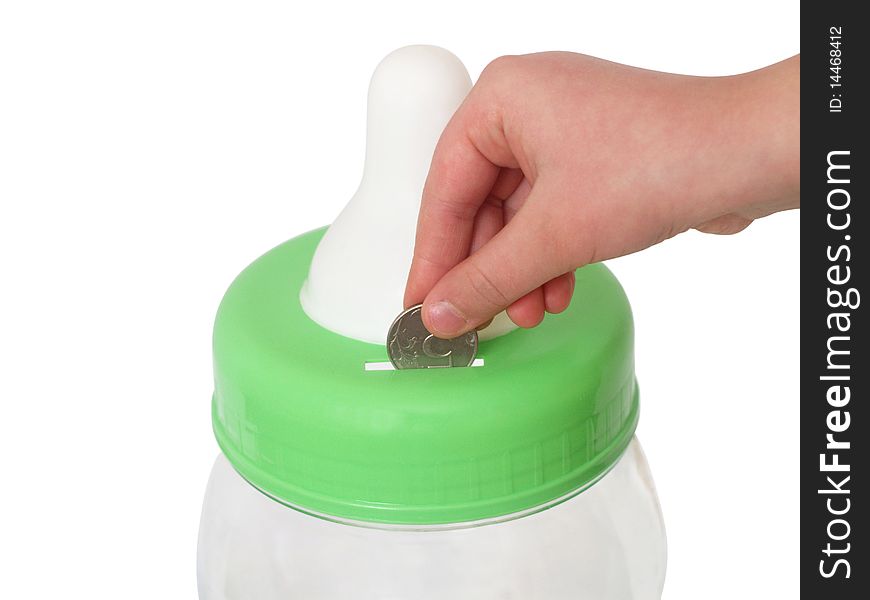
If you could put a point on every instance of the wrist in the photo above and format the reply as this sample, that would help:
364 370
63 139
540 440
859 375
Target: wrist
765 115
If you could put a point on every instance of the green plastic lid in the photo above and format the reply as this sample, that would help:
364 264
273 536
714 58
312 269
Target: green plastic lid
296 413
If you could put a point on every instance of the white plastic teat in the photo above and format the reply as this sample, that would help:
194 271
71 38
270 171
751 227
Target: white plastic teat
357 277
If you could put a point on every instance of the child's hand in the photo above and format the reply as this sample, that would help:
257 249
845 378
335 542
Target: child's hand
558 160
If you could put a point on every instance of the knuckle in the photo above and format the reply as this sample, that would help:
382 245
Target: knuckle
499 66
485 287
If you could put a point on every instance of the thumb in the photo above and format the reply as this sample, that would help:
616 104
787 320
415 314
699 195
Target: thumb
517 260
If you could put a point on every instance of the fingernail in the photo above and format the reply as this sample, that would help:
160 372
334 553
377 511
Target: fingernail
445 319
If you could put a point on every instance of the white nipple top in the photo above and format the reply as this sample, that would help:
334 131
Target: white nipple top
357 277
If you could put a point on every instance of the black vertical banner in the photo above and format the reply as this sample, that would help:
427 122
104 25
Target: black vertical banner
835 362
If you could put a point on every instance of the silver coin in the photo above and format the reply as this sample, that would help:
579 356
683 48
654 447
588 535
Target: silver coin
411 346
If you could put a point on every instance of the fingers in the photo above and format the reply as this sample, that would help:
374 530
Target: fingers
487 223
513 202
490 215
528 311
460 180
512 265
552 297
558 292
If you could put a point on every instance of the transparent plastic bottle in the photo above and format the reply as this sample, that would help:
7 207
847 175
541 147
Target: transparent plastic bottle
604 543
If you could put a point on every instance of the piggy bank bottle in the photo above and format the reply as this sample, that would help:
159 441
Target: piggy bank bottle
339 477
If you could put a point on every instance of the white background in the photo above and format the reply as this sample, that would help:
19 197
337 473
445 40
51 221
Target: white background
150 150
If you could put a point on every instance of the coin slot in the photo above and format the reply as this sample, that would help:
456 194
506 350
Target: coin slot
388 366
